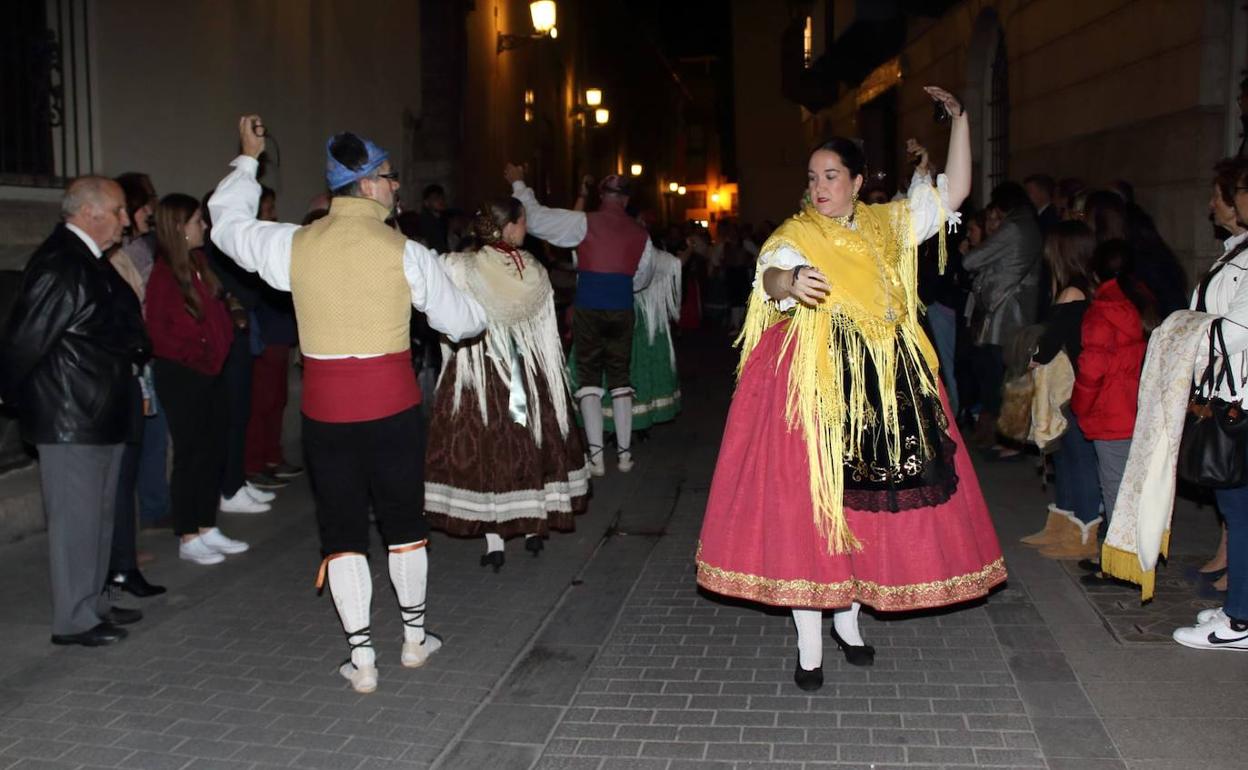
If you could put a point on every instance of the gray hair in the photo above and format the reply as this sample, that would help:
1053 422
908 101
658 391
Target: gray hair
85 191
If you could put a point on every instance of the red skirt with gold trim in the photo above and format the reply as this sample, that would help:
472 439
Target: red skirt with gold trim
759 539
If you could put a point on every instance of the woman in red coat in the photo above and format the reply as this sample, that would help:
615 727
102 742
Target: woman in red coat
191 334
1107 381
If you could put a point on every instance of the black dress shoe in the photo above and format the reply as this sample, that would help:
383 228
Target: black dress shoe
1089 565
104 633
493 559
808 680
132 582
855 655
120 616
534 545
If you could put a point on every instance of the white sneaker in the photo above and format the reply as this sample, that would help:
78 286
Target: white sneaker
222 544
258 494
625 458
597 466
1217 634
416 654
242 502
198 551
1204 616
363 679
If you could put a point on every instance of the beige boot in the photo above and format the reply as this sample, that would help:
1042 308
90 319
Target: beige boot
1080 543
1058 522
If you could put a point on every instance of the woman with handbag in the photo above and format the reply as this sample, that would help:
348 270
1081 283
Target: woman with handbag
1071 528
1224 293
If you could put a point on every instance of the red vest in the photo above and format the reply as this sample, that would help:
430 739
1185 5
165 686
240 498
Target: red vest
613 242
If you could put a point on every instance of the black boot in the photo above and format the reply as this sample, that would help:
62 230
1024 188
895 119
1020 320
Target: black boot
534 545
807 680
132 582
493 559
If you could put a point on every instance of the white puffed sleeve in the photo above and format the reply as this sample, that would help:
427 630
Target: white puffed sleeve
784 258
929 206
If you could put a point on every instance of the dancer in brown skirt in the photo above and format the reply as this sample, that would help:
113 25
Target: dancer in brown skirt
505 456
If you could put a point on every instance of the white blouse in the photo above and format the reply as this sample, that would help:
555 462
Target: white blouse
1227 296
926 204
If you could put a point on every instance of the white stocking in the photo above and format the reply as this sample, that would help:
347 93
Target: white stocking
409 574
351 584
591 413
809 638
846 624
622 413
493 542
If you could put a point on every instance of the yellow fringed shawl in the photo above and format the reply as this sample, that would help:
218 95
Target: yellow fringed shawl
872 311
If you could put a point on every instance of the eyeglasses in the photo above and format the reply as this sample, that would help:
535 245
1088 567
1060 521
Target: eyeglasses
392 176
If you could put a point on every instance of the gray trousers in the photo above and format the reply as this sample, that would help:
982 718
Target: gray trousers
79 492
1111 461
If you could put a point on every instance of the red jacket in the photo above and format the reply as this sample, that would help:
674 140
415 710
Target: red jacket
1108 378
197 343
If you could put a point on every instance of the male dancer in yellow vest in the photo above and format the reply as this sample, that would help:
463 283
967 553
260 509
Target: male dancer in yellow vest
354 282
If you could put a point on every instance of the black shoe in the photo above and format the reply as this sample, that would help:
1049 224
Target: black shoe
493 559
266 481
1089 565
861 655
121 616
104 633
1099 578
808 680
284 471
132 582
534 545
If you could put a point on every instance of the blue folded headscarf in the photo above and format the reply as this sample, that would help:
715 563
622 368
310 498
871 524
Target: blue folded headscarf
337 175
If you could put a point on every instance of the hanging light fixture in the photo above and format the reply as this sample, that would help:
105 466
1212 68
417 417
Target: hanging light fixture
681 190
544 15
602 115
593 97
672 186
635 169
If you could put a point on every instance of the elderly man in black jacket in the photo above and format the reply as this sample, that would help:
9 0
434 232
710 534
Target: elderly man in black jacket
68 363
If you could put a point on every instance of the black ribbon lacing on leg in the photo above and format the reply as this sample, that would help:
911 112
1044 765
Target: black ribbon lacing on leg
367 633
417 619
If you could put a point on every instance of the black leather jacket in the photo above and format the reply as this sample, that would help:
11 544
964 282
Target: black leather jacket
70 347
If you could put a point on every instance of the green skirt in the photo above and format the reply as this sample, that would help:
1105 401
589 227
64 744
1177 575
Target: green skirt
652 375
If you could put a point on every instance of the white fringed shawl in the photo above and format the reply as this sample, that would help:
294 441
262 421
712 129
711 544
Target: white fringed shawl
521 322
659 303
1139 532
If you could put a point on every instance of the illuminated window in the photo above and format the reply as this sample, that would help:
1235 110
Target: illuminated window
808 43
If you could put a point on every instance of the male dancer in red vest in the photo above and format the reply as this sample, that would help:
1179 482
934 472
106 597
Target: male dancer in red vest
614 258
354 282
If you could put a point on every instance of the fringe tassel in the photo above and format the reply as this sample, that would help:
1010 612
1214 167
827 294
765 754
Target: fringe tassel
1125 565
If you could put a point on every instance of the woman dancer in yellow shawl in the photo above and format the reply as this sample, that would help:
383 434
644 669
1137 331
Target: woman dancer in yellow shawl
842 478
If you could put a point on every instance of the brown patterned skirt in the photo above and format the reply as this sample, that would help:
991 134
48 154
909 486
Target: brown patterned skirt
491 475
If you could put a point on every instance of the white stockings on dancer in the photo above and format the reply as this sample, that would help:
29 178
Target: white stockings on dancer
493 542
622 415
351 584
409 573
809 638
846 624
591 413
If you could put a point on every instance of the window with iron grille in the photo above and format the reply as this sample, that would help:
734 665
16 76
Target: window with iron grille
999 117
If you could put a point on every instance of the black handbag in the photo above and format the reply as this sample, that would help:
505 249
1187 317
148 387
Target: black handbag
1213 451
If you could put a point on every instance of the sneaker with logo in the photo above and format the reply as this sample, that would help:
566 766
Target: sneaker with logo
1220 633
258 494
196 550
241 502
218 542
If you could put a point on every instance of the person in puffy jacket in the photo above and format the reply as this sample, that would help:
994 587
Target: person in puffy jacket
1107 378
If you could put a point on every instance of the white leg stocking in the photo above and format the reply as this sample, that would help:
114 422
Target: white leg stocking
846 624
622 413
493 542
591 413
809 638
409 573
351 584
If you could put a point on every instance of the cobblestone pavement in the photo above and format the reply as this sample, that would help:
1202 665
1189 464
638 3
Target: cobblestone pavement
602 655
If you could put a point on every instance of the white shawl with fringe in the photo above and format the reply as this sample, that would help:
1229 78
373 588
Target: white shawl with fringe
521 336
659 303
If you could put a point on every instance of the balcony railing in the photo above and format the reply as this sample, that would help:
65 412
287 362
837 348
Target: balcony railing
46 125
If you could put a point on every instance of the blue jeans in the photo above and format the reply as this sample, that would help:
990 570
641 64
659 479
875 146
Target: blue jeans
943 322
153 481
1075 466
1233 504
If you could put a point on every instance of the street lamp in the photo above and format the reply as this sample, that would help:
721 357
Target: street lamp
681 190
543 14
672 186
635 169
602 115
593 97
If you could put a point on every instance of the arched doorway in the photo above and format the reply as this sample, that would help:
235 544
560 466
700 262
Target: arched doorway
988 99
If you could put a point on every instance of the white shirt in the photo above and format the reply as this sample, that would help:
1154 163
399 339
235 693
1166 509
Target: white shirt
78 231
926 203
566 229
264 248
